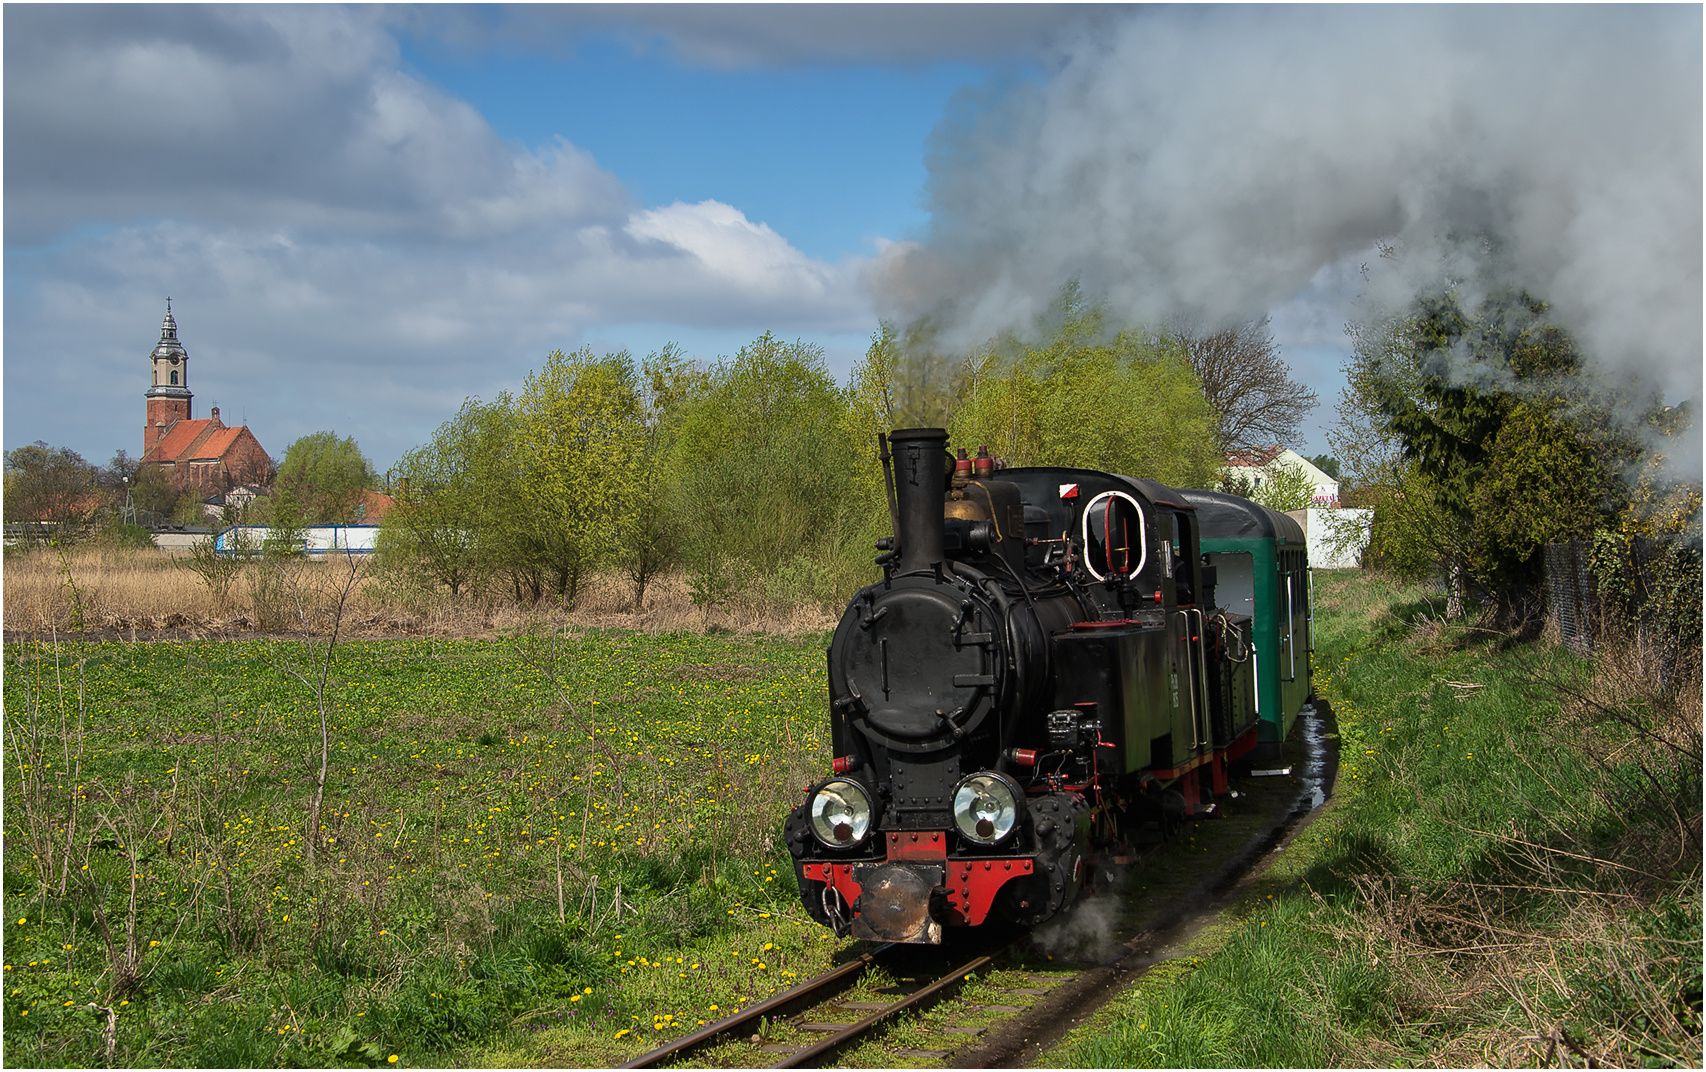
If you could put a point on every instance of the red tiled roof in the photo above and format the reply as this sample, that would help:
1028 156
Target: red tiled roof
178 438
1256 456
218 443
377 503
203 440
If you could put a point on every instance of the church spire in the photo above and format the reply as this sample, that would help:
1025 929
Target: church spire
168 394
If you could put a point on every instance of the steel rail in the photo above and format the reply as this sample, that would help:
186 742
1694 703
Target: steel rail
921 997
808 991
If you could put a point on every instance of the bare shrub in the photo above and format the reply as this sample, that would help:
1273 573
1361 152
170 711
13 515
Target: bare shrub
1472 970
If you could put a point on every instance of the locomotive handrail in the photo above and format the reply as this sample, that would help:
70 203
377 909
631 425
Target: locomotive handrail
1113 497
1199 673
1291 619
1202 668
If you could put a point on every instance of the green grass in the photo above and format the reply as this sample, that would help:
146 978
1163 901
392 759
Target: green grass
563 850
531 848
1508 875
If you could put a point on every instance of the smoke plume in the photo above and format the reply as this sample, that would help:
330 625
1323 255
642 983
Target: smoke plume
1206 163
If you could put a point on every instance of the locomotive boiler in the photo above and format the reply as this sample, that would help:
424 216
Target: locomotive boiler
1041 678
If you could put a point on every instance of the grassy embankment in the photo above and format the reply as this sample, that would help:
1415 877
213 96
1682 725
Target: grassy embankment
1509 875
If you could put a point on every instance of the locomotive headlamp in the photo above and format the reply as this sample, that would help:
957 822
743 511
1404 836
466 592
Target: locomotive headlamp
841 813
986 807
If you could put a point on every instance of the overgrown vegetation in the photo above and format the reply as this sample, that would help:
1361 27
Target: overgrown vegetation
549 831
756 475
1479 433
1510 874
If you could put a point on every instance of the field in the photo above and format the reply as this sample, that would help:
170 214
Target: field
561 837
130 593
556 843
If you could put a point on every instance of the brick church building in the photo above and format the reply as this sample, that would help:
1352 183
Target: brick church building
206 453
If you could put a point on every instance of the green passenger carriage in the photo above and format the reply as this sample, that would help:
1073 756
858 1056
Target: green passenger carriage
1263 571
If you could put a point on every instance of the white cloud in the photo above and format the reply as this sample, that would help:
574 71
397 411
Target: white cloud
347 247
741 36
721 244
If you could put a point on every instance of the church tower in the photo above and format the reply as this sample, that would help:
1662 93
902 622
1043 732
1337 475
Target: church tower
169 393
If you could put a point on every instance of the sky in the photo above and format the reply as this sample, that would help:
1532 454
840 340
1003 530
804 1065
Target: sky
364 216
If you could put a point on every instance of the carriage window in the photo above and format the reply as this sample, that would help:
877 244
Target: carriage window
1113 536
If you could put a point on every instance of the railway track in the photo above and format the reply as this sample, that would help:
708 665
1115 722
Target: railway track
817 1007
822 1022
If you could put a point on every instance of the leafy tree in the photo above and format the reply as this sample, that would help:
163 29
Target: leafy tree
764 471
874 388
1497 433
580 439
285 525
874 392
453 494
1281 487
672 384
1085 395
921 382
51 484
118 473
649 535
1542 484
1248 384
326 476
1369 453
159 492
1327 464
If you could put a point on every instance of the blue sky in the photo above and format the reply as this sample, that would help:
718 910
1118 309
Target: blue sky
832 157
365 215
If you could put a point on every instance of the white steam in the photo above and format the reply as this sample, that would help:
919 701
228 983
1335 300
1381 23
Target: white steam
1210 162
1086 930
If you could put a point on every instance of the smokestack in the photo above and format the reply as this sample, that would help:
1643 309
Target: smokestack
921 481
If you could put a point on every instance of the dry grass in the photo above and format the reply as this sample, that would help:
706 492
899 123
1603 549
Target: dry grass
1570 943
1471 969
145 593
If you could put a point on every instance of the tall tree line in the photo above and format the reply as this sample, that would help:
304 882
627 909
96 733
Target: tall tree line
757 474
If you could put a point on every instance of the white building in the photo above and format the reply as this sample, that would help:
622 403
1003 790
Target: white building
1258 466
1335 538
317 541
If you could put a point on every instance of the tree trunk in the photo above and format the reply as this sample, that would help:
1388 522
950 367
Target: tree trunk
1457 588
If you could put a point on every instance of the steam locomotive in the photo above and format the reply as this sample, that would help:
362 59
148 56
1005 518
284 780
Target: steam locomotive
1043 677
